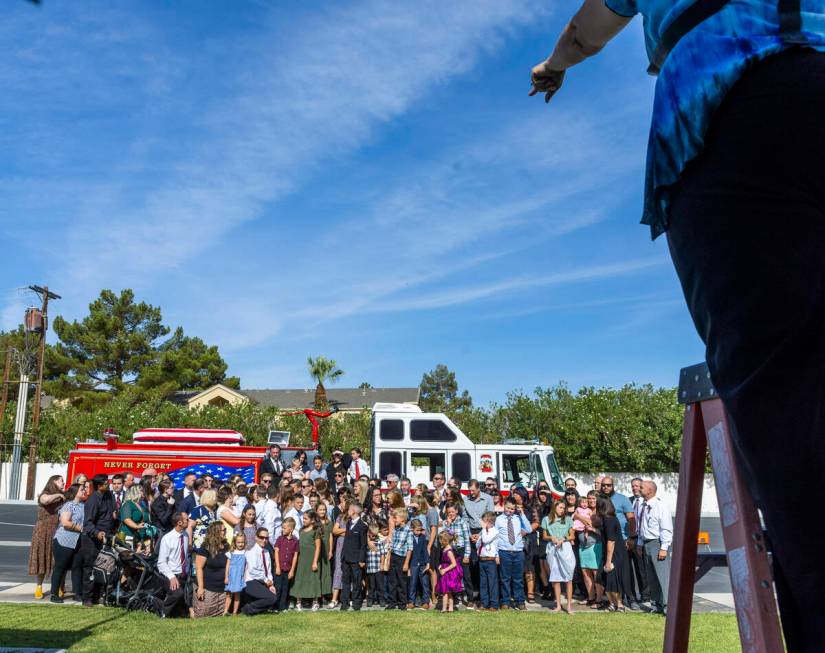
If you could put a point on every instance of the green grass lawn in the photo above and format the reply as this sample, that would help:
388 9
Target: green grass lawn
109 629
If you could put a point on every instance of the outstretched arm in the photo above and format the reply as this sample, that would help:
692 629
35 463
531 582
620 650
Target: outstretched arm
585 35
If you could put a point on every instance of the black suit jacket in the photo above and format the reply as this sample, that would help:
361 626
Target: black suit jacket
186 505
267 466
355 543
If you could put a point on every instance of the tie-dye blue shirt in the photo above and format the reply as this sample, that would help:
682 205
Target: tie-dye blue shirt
697 74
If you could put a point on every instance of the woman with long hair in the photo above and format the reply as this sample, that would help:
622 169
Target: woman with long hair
67 542
248 525
307 583
225 512
339 530
210 572
360 489
376 510
134 517
327 550
616 573
163 507
557 531
40 552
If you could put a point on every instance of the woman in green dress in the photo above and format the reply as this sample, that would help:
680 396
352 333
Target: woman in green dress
134 518
325 559
307 584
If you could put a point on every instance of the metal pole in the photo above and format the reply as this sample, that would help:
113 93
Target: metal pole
41 354
4 399
19 429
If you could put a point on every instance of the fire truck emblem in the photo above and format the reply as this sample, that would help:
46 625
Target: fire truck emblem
485 463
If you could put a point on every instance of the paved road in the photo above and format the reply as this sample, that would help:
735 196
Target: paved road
16 522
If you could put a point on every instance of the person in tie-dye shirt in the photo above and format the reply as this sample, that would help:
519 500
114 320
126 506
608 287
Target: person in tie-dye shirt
735 178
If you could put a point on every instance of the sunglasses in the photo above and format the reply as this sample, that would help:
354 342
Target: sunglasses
260 537
607 484
266 481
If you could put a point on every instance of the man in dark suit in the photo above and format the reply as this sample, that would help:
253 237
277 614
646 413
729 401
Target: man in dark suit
188 504
185 491
273 464
340 463
353 559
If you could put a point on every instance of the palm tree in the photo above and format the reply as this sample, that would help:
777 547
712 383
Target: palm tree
323 369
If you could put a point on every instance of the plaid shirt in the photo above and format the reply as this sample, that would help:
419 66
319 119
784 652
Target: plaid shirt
374 557
461 533
402 540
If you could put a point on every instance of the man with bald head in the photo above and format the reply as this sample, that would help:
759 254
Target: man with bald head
655 537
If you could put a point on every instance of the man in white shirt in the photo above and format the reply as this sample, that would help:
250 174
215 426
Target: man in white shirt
634 547
358 467
268 514
655 537
406 490
260 587
173 562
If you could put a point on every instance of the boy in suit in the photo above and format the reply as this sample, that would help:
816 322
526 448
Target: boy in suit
353 559
419 567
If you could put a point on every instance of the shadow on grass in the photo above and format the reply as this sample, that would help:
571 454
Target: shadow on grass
59 637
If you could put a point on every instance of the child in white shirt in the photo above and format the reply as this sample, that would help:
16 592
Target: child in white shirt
488 562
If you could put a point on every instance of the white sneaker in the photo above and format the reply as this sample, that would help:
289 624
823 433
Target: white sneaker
332 605
315 607
298 606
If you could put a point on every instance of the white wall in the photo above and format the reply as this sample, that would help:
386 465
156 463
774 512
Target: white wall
44 470
667 483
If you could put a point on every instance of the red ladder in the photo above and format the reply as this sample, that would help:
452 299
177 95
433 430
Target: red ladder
706 427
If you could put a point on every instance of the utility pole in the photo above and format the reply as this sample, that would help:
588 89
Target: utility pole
4 399
41 354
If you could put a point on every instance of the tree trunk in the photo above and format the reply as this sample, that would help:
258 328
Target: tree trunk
320 397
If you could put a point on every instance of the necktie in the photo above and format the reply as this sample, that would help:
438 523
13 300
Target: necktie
263 559
357 472
183 555
511 534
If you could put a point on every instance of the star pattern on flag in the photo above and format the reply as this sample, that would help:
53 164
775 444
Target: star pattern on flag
219 472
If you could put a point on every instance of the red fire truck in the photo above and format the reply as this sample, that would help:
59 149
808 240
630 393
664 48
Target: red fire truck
177 452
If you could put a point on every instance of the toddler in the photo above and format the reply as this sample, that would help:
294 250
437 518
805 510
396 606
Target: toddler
235 572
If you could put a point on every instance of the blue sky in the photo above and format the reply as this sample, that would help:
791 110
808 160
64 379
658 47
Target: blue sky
368 181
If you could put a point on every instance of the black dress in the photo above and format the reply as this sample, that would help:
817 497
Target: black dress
618 580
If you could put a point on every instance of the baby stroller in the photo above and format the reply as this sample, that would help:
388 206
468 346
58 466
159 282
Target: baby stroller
130 580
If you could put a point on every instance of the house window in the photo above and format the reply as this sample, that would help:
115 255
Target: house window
390 463
392 429
461 467
430 430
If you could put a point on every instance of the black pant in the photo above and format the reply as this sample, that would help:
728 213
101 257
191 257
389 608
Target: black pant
637 563
351 578
64 560
282 591
173 598
375 588
475 577
89 549
747 237
397 582
259 598
468 576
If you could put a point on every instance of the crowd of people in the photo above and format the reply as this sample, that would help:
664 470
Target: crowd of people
327 535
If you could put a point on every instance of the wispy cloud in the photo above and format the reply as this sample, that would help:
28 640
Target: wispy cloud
474 293
317 91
